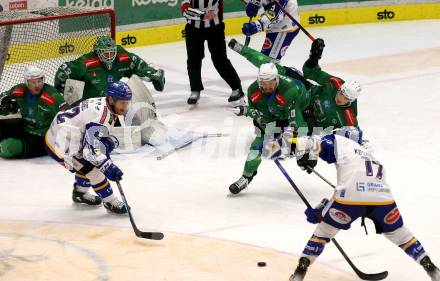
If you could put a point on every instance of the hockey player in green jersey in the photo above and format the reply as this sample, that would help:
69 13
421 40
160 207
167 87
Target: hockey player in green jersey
38 103
275 103
333 105
107 62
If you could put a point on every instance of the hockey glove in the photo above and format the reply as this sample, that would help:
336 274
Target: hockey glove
306 163
158 80
109 143
315 53
314 215
8 105
250 29
252 8
111 171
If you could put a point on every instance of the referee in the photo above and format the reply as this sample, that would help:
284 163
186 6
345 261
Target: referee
205 22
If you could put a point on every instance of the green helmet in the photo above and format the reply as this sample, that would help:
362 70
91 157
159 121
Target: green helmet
105 48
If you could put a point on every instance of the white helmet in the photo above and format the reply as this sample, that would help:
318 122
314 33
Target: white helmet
32 72
268 72
351 90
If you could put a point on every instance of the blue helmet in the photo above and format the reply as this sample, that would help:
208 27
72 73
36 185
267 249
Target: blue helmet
118 91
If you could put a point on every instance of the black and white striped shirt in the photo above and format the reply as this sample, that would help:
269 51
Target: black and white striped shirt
194 10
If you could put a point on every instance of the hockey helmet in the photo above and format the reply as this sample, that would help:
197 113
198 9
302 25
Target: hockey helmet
118 91
268 72
32 72
106 50
351 90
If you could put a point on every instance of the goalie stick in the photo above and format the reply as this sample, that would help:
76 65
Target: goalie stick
360 274
185 144
139 233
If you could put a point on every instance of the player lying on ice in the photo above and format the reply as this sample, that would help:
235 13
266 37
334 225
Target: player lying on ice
37 103
79 140
333 103
361 191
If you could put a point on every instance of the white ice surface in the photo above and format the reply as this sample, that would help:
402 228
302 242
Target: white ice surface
188 191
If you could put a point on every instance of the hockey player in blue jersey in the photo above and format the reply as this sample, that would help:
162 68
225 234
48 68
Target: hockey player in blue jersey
280 29
79 139
361 191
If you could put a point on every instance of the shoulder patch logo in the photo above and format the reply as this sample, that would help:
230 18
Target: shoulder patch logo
18 92
47 98
280 99
92 62
337 82
256 96
349 116
123 57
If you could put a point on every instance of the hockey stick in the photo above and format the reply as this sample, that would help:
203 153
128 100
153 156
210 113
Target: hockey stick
294 20
185 144
360 274
322 177
141 234
248 38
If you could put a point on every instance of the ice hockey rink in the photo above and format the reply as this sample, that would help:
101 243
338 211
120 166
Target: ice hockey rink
210 235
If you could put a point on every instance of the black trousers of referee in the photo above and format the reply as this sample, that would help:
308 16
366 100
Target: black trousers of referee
195 48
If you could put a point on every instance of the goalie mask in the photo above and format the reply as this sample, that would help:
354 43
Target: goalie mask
105 48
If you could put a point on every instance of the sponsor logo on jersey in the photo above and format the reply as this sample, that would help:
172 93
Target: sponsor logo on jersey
92 62
90 3
47 98
256 96
66 49
385 15
267 44
171 3
339 216
124 57
316 19
360 186
128 40
280 99
18 92
327 104
337 82
349 116
392 217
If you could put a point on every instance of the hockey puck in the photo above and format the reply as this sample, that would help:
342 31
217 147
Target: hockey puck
261 264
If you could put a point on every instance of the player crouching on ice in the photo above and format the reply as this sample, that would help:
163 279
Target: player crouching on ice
361 191
275 103
79 140
38 103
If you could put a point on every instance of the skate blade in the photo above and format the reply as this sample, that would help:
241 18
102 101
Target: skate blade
116 214
84 206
